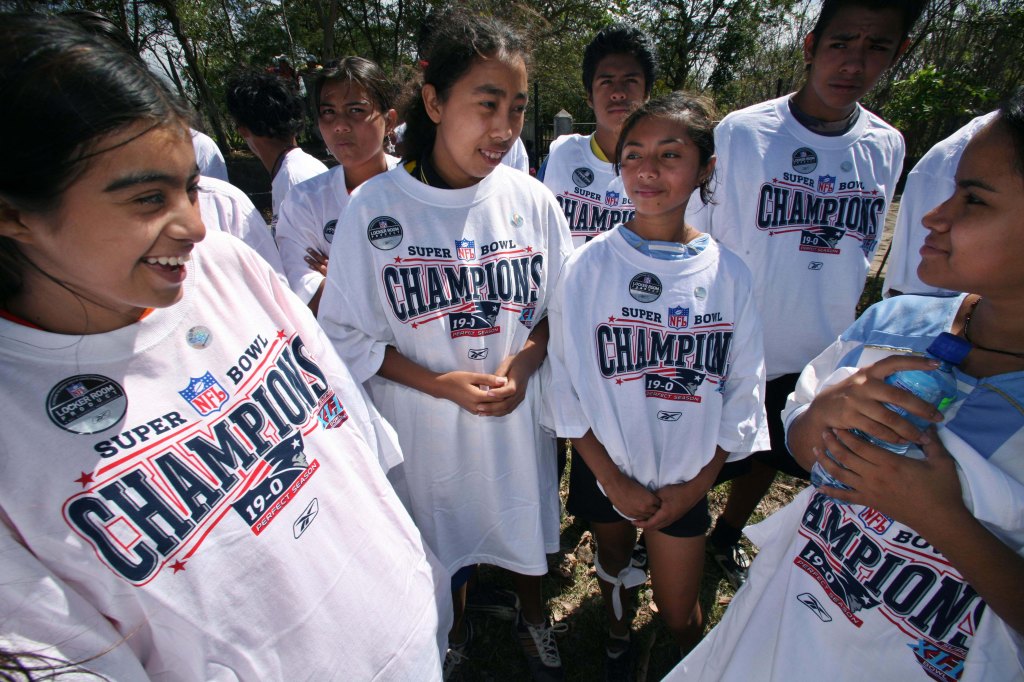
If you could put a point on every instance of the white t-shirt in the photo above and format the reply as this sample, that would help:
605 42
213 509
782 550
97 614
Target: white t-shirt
296 166
662 359
208 157
226 208
197 496
929 184
308 217
455 279
580 181
805 213
851 594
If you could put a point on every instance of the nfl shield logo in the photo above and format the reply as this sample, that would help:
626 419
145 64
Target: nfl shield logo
77 389
826 184
205 394
678 317
611 198
465 249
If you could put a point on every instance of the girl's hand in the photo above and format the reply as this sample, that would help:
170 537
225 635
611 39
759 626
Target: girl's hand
630 498
676 500
471 391
509 396
858 402
518 369
918 493
317 261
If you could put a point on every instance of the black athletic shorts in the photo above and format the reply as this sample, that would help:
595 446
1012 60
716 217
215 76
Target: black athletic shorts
776 392
587 502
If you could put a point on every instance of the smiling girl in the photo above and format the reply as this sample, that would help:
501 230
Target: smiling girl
658 372
354 104
189 477
450 259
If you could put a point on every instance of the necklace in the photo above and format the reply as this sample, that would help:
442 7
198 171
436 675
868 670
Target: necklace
826 128
277 162
967 335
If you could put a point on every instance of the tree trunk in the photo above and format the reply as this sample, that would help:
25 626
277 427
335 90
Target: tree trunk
206 100
328 18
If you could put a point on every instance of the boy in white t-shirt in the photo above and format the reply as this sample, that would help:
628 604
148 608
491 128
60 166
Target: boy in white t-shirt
805 183
619 69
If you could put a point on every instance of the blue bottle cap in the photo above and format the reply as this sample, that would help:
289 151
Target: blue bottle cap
950 348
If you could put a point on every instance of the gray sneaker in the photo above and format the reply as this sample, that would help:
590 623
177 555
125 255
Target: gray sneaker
541 649
734 562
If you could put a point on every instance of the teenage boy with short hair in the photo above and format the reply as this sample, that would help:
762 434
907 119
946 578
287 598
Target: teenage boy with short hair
804 182
619 68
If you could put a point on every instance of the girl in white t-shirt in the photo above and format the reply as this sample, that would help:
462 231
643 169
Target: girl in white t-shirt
354 102
194 487
449 263
657 372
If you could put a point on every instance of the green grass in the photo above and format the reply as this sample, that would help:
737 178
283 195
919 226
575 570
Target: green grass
572 595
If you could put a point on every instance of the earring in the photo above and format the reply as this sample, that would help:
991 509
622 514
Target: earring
389 145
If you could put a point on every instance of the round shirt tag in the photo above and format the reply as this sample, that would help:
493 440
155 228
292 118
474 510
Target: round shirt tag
804 160
645 287
199 337
385 233
583 177
87 403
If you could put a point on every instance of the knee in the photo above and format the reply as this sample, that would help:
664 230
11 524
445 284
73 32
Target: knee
680 619
612 560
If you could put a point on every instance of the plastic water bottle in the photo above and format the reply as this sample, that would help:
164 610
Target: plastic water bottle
936 387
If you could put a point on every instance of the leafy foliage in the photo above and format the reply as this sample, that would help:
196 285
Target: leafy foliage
961 62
